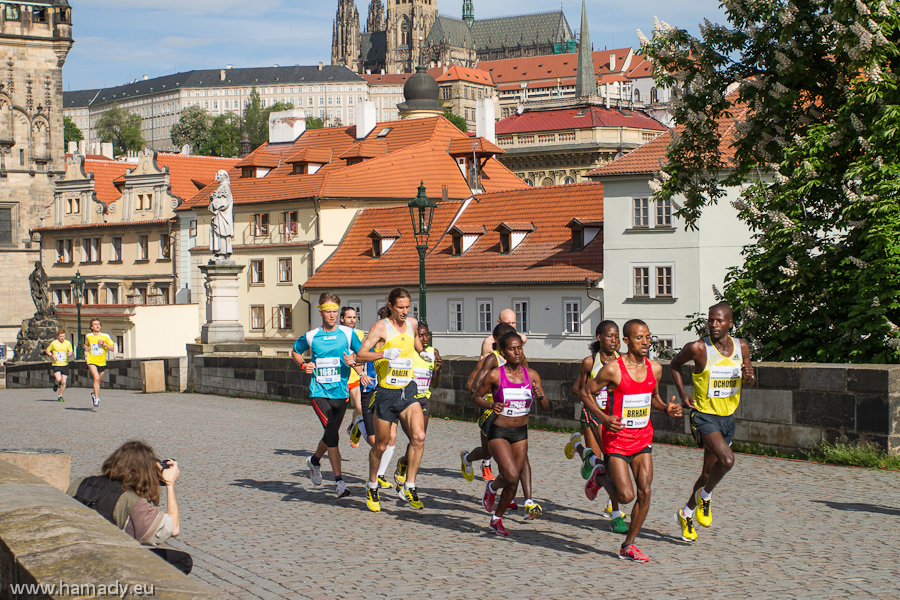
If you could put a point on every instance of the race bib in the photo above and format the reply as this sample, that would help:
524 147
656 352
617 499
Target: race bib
400 372
59 356
601 398
97 349
423 378
328 369
724 381
516 401
635 410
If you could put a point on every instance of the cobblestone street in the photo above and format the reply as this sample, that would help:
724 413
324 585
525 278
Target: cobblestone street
258 528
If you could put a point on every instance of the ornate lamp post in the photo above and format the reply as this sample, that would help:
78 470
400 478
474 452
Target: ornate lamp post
421 210
77 285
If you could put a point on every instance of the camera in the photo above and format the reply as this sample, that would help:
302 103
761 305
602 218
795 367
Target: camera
165 463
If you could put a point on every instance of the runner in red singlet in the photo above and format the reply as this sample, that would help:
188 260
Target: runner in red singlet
627 434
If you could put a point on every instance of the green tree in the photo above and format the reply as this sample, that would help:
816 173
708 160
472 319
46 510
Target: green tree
71 132
314 123
224 137
192 128
256 118
816 160
122 128
456 120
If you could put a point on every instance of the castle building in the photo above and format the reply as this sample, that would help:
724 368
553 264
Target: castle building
411 32
35 38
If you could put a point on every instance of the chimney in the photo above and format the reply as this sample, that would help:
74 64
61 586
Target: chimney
106 149
286 126
82 147
365 118
612 63
229 66
320 66
221 74
72 148
145 77
484 119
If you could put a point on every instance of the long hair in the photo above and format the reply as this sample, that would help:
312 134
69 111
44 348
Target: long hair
595 345
135 464
395 295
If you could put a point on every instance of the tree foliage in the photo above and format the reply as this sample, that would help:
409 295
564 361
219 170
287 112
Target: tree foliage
256 118
192 128
314 123
456 120
208 135
816 112
71 132
224 136
121 127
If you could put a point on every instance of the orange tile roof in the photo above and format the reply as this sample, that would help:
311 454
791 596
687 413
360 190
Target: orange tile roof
105 173
546 67
312 155
103 225
478 145
544 257
366 149
458 73
585 117
261 159
186 171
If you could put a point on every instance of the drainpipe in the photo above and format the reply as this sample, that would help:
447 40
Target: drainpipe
589 285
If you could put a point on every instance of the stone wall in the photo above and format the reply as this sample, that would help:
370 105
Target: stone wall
794 406
16 265
124 374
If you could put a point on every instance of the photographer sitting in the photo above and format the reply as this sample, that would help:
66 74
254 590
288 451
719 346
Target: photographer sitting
127 495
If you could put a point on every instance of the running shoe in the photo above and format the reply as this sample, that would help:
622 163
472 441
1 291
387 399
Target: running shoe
411 498
632 553
60 399
592 486
486 473
608 511
618 525
384 482
586 466
570 447
55 386
95 400
688 533
512 505
342 491
373 501
489 499
355 435
704 514
533 510
400 474
497 526
466 467
315 473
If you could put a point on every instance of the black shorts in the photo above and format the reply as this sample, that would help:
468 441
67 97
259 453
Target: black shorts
330 412
588 419
425 401
368 411
61 369
510 434
626 457
389 402
705 424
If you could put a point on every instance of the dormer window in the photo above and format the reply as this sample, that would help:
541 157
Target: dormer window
584 231
512 234
247 172
382 240
463 237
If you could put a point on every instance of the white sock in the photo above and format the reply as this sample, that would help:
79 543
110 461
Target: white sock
410 486
528 501
595 461
687 512
615 514
361 425
372 484
494 517
386 460
579 447
486 462
466 458
704 495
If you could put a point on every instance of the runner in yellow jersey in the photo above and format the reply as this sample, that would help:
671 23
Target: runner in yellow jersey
394 398
356 428
721 365
95 346
60 350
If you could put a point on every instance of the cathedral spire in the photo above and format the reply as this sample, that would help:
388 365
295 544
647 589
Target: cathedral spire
376 21
468 12
585 84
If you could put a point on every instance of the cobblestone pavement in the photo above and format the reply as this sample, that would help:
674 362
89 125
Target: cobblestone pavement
258 528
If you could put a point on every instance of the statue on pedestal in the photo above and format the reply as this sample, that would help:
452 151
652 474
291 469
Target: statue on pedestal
38 331
221 205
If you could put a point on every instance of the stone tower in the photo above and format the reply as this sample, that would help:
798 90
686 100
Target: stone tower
468 13
34 41
375 22
585 83
345 39
407 25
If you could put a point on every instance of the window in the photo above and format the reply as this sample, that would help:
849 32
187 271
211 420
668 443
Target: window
572 316
73 206
457 245
504 241
62 295
165 248
641 213
116 244
162 290
260 224
664 282
520 307
112 294
144 202
257 317
357 306
284 270
281 315
664 213
90 250
92 295
577 238
12 12
63 251
120 344
142 294
485 316
143 247
256 271
456 315
192 228
641 282
287 223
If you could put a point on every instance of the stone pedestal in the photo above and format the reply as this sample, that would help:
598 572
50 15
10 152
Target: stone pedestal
153 376
50 465
222 308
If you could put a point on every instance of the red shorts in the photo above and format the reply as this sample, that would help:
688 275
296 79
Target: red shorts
354 384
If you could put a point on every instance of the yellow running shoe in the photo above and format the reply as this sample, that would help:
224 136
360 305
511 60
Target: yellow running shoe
411 497
703 512
384 482
355 434
609 510
570 447
466 467
533 510
373 500
688 533
400 474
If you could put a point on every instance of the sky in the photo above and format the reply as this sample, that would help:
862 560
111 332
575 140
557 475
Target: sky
117 42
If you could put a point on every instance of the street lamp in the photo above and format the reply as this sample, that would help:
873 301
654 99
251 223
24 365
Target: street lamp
77 285
421 210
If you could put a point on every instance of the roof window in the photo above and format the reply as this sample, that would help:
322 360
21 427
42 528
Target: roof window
463 237
512 234
382 240
384 132
584 231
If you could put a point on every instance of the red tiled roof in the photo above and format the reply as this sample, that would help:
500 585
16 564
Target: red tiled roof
267 160
105 173
576 222
366 149
458 73
567 118
640 67
546 67
98 225
515 226
544 257
186 169
384 233
478 145
468 229
387 78
319 156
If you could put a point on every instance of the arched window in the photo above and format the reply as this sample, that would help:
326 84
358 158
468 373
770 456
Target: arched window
405 33
529 182
653 94
547 181
569 179
637 95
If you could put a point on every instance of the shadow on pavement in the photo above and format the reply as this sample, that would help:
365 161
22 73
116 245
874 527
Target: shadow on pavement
860 507
89 409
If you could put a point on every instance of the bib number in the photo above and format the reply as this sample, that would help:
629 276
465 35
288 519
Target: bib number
635 410
96 349
724 382
601 398
328 370
516 401
400 372
423 378
59 356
